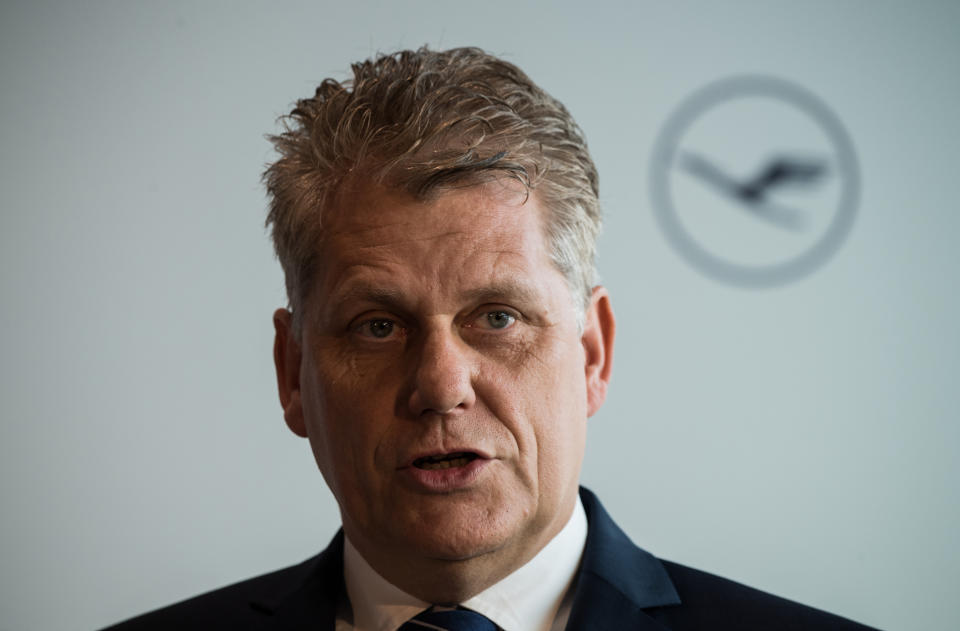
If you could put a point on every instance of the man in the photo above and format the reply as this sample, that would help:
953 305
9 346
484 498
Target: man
436 219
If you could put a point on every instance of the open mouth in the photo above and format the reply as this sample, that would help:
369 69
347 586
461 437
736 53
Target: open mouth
445 461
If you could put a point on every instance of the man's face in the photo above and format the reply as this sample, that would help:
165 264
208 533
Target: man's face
441 377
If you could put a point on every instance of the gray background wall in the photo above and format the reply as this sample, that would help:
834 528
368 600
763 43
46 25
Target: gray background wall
801 439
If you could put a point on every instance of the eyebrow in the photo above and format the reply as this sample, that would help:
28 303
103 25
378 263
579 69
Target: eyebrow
386 296
510 289
391 297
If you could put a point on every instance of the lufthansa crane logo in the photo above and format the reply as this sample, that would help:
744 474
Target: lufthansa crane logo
754 181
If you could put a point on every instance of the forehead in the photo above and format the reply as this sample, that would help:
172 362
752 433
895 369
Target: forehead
481 226
489 209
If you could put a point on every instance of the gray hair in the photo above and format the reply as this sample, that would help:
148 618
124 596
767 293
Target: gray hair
423 121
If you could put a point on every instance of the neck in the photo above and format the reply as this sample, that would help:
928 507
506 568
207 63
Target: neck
446 581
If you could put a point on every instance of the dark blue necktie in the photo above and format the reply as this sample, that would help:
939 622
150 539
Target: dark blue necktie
452 620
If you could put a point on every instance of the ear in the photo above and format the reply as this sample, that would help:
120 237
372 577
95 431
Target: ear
598 333
286 358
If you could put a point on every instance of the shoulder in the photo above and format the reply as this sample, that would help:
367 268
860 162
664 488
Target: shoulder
234 606
707 599
308 589
619 581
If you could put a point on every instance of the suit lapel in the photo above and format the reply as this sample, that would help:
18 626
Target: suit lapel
617 580
310 600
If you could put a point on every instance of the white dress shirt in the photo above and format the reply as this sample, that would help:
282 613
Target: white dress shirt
536 597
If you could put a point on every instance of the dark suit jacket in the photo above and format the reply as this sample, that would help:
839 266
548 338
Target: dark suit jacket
618 587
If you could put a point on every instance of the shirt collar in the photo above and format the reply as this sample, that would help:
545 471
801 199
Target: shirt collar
526 600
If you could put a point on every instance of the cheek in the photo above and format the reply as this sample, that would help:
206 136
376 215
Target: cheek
561 432
349 408
345 385
545 396
554 378
326 405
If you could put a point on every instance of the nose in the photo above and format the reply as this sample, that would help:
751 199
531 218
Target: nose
442 379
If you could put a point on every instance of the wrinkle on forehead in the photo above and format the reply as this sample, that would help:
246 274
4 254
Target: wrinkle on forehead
399 241
358 197
465 243
487 233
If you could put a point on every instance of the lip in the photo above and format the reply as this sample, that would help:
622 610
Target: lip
481 455
444 480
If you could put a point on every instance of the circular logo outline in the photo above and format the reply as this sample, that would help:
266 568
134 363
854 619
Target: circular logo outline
663 157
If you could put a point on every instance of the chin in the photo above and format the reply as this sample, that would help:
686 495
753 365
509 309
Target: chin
459 543
463 537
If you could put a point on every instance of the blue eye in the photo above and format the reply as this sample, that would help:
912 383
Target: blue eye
499 319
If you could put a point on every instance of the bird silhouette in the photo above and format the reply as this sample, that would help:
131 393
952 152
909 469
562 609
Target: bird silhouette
777 172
